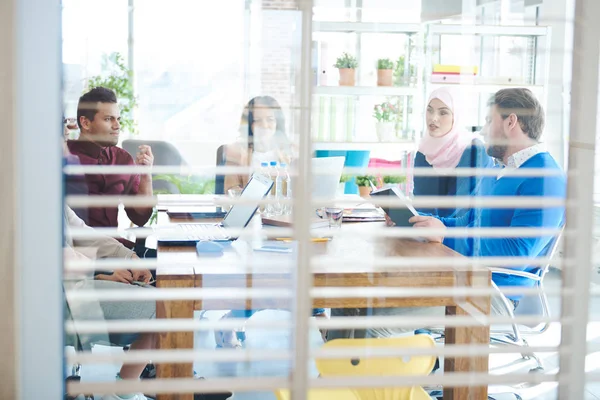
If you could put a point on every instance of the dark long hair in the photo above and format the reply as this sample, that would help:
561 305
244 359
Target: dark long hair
280 137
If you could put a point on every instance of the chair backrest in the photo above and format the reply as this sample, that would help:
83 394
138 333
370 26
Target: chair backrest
320 394
381 366
537 304
412 393
165 153
220 179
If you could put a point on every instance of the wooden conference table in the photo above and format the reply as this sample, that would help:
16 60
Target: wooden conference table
235 270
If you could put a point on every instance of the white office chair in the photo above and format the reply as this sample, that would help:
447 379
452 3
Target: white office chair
530 305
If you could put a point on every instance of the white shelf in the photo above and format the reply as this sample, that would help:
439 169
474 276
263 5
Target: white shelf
485 88
405 145
364 27
365 91
489 30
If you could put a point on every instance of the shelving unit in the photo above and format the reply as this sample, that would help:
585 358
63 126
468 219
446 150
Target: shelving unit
346 99
365 27
537 67
486 88
356 94
366 91
488 30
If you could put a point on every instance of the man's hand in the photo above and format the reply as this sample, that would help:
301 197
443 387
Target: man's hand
142 275
144 156
123 276
428 222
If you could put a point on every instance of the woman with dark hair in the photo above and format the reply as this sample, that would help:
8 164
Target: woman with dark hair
263 139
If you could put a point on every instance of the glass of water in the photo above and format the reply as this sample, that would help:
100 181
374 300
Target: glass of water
334 215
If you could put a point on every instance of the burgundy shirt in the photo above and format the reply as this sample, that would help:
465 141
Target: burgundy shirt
90 153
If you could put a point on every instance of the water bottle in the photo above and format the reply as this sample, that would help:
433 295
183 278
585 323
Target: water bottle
276 193
264 171
286 189
272 171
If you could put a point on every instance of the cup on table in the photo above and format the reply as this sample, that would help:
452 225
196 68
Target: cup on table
334 215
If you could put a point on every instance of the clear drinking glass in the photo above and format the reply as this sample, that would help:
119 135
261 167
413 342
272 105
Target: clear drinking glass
334 215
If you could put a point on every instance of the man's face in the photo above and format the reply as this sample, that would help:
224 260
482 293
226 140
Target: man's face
104 129
496 137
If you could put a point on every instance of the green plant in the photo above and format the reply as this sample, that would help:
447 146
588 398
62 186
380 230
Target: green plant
345 178
120 80
346 61
385 63
385 112
399 72
186 184
393 179
364 180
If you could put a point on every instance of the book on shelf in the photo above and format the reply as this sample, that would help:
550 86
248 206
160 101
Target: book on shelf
455 69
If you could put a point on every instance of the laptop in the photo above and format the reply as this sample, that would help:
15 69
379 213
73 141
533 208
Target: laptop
238 217
326 172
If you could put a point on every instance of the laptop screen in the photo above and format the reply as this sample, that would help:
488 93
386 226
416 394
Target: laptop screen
240 214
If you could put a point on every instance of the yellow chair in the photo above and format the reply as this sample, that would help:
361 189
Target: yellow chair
381 366
373 366
321 394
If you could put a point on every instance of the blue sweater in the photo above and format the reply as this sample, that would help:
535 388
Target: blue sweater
548 187
474 156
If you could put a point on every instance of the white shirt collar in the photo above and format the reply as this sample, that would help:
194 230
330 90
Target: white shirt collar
519 158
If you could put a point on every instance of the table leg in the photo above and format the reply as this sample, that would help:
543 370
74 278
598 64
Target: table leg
175 340
466 335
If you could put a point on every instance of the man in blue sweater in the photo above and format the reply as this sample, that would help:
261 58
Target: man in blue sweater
513 129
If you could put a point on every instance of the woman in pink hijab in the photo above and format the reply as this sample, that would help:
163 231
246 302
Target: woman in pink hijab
448 144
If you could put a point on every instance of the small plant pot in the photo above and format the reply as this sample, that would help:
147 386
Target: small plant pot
386 131
347 76
364 191
384 77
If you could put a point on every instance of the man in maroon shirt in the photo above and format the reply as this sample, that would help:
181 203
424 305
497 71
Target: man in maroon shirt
98 117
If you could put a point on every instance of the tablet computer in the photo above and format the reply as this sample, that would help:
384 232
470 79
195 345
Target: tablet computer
401 213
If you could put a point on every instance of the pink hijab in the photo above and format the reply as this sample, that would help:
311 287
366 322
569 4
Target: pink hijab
446 151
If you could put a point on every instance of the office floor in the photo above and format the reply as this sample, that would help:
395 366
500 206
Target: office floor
275 340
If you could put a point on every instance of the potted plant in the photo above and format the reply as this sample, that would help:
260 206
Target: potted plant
386 114
342 185
120 80
392 181
346 64
385 69
402 76
364 184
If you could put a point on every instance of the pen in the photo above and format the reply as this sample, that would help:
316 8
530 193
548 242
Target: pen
314 240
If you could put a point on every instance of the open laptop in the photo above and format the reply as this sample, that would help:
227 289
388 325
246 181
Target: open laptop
238 217
326 172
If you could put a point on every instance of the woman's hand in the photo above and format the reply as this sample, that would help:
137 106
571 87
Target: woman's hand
388 221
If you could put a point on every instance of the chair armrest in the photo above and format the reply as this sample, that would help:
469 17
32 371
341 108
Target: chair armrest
513 272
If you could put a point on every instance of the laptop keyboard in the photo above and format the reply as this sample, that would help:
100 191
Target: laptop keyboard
204 231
